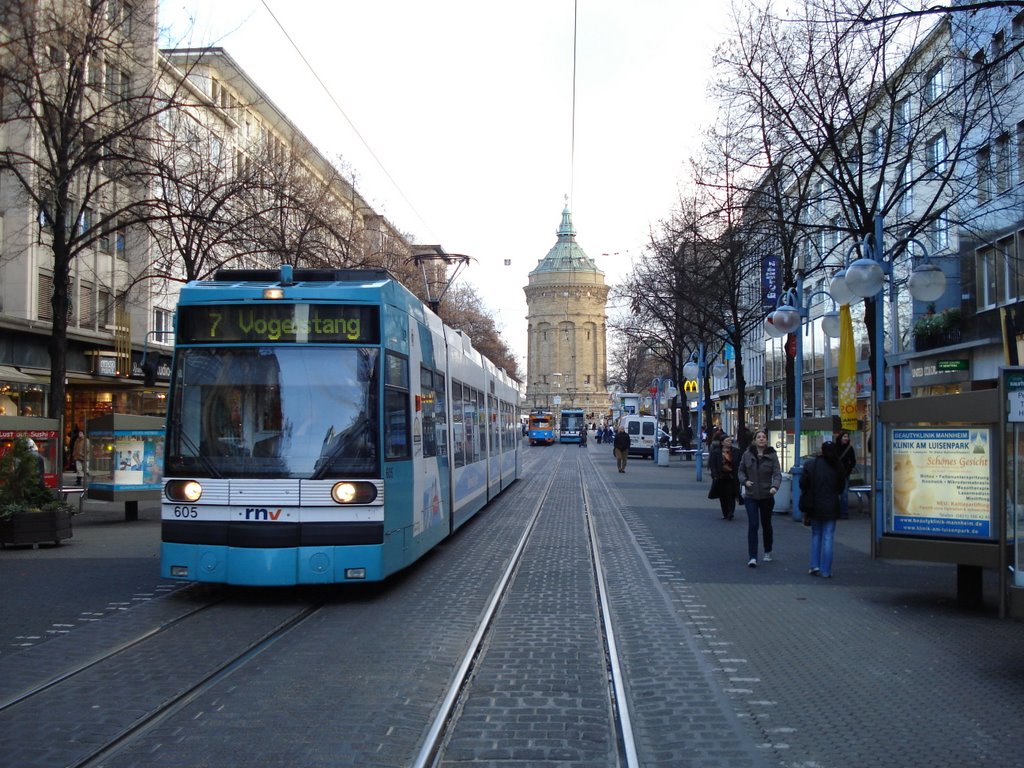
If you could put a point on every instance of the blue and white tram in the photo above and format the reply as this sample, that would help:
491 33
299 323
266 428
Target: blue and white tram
324 426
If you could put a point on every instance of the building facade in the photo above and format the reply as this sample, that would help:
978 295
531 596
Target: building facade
566 349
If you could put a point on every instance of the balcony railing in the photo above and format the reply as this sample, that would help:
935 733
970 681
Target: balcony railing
946 338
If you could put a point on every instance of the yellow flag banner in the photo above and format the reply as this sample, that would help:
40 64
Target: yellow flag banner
847 370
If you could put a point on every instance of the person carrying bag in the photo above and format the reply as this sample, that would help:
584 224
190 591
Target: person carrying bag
724 485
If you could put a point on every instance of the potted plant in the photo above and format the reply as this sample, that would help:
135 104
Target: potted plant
29 512
932 326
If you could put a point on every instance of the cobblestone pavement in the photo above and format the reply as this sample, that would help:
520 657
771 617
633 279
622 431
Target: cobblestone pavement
728 665
876 666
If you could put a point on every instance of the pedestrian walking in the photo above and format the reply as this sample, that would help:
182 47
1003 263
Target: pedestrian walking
760 476
621 448
743 437
848 460
821 482
583 437
81 458
724 464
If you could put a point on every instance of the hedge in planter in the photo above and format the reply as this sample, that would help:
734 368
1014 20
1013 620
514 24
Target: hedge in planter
29 513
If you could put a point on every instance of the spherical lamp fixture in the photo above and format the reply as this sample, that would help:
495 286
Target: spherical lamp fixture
718 370
839 290
770 330
927 283
691 370
865 277
786 318
830 324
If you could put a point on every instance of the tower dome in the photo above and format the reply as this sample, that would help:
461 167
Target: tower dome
566 363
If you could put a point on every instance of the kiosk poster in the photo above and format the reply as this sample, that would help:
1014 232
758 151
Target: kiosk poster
941 482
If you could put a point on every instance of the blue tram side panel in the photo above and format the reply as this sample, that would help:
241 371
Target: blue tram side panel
571 426
541 428
324 426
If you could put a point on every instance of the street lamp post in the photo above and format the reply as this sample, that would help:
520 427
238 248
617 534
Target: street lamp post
866 277
694 371
660 385
788 318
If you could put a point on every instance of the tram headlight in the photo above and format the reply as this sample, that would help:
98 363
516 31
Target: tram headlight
354 493
187 491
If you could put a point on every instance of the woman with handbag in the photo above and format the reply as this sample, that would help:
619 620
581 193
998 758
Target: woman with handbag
723 464
821 482
760 475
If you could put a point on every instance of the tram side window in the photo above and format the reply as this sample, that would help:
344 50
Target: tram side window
481 420
440 415
469 422
427 413
493 424
397 444
458 427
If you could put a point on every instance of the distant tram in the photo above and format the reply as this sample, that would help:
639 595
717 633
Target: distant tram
542 428
572 425
324 426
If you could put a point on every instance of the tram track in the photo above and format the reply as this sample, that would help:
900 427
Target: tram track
136 685
433 751
174 705
108 655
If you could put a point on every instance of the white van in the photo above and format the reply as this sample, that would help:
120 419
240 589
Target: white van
641 431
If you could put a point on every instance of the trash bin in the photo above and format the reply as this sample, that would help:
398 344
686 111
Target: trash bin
663 454
784 496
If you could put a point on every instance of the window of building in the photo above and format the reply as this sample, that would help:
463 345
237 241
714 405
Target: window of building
44 297
163 326
983 173
105 308
935 84
1002 162
938 232
903 120
998 59
935 154
87 305
906 190
995 277
120 241
877 145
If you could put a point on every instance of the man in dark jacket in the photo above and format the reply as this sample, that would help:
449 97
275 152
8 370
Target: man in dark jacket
620 446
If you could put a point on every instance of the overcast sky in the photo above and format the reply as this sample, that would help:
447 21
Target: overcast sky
462 115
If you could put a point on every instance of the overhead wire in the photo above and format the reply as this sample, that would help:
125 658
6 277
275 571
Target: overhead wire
341 111
572 129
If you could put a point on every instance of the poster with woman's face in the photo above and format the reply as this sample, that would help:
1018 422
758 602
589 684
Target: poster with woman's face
941 482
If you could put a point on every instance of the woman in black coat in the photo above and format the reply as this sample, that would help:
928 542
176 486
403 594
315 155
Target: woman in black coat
822 481
724 463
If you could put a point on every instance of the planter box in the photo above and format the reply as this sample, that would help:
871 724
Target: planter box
36 528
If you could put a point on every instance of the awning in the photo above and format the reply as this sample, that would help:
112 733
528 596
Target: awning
14 376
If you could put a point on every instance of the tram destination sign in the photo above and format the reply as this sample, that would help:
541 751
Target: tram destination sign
278 323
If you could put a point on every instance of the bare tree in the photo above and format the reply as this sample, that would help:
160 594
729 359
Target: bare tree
77 109
887 119
464 310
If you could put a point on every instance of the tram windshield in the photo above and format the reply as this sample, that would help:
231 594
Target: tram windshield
274 412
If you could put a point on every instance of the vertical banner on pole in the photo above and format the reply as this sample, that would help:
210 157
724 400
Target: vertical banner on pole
847 370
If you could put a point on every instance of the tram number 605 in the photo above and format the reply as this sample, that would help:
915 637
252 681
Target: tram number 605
186 512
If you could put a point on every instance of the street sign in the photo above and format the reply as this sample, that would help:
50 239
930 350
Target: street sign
1014 396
